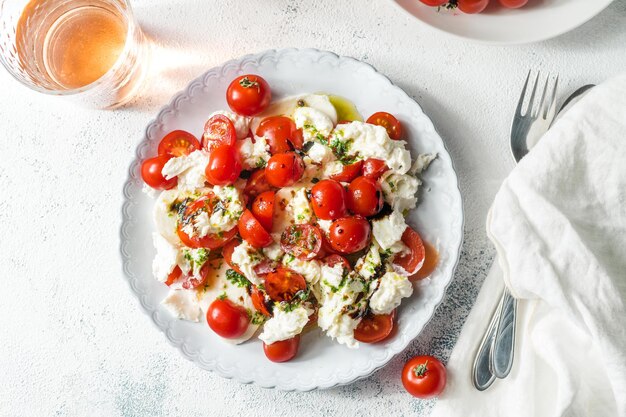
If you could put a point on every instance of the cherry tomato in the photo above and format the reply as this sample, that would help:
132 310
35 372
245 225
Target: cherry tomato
349 172
513 4
191 282
365 196
252 231
374 328
227 319
472 6
283 350
281 134
434 3
174 276
284 169
258 300
257 184
219 130
283 284
374 168
412 261
349 234
211 241
248 95
389 122
224 166
334 259
151 173
328 199
227 254
178 143
263 209
424 377
303 241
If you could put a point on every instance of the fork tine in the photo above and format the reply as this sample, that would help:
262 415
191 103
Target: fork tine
518 111
539 110
531 101
550 111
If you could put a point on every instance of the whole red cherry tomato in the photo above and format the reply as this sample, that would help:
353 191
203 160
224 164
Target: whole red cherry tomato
283 350
263 209
364 196
328 199
151 173
472 6
227 319
284 169
424 377
281 134
349 234
248 95
224 166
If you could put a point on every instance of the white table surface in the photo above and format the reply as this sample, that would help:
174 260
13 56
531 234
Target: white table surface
73 340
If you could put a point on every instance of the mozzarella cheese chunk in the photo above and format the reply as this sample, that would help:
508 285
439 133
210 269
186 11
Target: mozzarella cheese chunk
246 258
241 123
388 231
254 155
310 270
312 122
300 207
191 261
189 169
164 218
392 288
183 304
422 163
273 251
324 225
367 265
284 324
320 154
370 141
231 209
166 257
399 190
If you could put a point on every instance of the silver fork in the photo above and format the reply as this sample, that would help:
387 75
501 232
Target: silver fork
494 358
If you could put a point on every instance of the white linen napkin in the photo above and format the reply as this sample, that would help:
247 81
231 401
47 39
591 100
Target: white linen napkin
559 226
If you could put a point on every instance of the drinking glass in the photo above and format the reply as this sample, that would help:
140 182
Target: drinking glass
91 51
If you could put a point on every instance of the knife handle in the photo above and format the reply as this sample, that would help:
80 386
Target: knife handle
503 344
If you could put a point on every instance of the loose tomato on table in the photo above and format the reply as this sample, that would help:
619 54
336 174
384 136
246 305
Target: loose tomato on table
328 199
472 6
283 284
219 130
252 231
281 134
224 166
389 122
178 143
304 241
257 184
282 351
349 172
248 95
151 173
227 319
263 209
364 196
284 169
424 377
374 328
349 234
412 261
374 168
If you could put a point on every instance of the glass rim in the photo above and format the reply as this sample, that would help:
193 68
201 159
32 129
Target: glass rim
131 28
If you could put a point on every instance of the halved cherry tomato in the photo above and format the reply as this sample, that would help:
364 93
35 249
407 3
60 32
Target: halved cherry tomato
284 169
472 6
424 377
151 173
328 199
412 261
513 4
173 276
334 259
283 350
178 143
227 319
248 95
349 172
374 327
227 254
303 241
252 231
263 209
224 166
219 130
281 134
349 234
191 282
258 301
257 184
389 122
283 284
374 168
211 241
364 196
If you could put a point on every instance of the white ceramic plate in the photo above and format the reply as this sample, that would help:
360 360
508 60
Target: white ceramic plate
320 363
537 21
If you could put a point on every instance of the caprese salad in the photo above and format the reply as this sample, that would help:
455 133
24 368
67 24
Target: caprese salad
284 216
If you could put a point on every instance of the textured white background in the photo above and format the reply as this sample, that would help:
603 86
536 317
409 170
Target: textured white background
73 340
